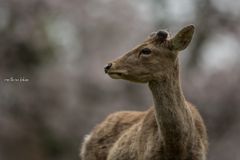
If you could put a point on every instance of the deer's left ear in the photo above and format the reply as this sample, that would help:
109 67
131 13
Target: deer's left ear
183 38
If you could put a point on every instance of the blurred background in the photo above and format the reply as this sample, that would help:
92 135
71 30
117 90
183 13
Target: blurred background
62 46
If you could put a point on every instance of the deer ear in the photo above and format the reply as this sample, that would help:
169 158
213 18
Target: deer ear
183 38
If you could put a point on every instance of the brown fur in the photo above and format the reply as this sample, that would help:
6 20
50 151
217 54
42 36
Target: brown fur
170 130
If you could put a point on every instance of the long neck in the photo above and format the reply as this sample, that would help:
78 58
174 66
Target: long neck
172 114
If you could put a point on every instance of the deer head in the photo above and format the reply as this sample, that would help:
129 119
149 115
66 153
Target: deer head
153 59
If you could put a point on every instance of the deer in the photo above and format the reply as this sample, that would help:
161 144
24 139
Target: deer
172 129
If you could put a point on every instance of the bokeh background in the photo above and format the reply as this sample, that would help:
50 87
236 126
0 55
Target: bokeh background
62 46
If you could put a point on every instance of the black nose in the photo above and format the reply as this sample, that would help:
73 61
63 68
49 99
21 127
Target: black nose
107 67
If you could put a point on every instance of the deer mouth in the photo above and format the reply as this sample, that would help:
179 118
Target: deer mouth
115 75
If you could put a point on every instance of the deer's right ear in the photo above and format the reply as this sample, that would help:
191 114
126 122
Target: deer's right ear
183 38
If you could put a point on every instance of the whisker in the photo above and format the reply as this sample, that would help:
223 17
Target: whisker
105 77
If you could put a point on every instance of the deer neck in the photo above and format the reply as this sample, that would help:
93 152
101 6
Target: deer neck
172 113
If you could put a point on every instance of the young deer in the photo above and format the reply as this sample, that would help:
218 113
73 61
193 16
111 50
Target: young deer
170 130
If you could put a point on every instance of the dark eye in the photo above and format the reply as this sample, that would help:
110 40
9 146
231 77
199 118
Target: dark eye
146 51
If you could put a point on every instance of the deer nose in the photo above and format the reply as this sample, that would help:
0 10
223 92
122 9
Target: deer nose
107 67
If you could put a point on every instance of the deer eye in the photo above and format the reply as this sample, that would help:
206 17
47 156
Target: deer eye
146 51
